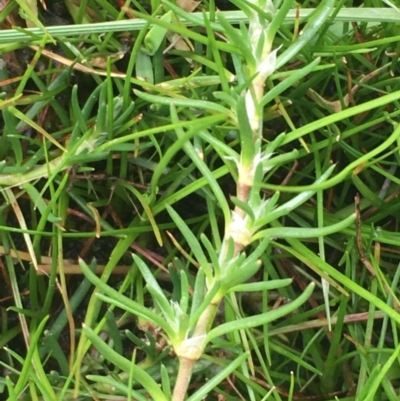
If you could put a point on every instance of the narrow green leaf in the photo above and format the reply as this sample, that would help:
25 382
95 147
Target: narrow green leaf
162 166
106 383
305 232
258 320
165 381
104 104
144 201
367 193
185 294
201 165
199 291
278 20
123 302
23 117
373 377
29 12
195 313
156 35
281 159
192 241
114 332
11 389
185 102
29 363
210 385
317 20
144 68
10 127
310 257
297 200
226 98
247 143
382 374
262 286
155 288
53 345
141 376
39 202
235 36
245 206
78 117
212 254
289 355
255 255
41 379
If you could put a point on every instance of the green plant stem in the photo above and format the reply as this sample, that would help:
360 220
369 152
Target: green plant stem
249 128
183 379
206 319
187 363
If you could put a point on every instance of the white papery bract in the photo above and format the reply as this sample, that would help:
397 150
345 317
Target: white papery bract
267 65
192 348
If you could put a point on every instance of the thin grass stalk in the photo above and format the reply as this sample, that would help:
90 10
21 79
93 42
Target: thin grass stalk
30 35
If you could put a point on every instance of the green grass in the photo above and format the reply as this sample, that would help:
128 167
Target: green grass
178 215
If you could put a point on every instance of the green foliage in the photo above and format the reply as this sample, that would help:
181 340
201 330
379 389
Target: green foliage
212 159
